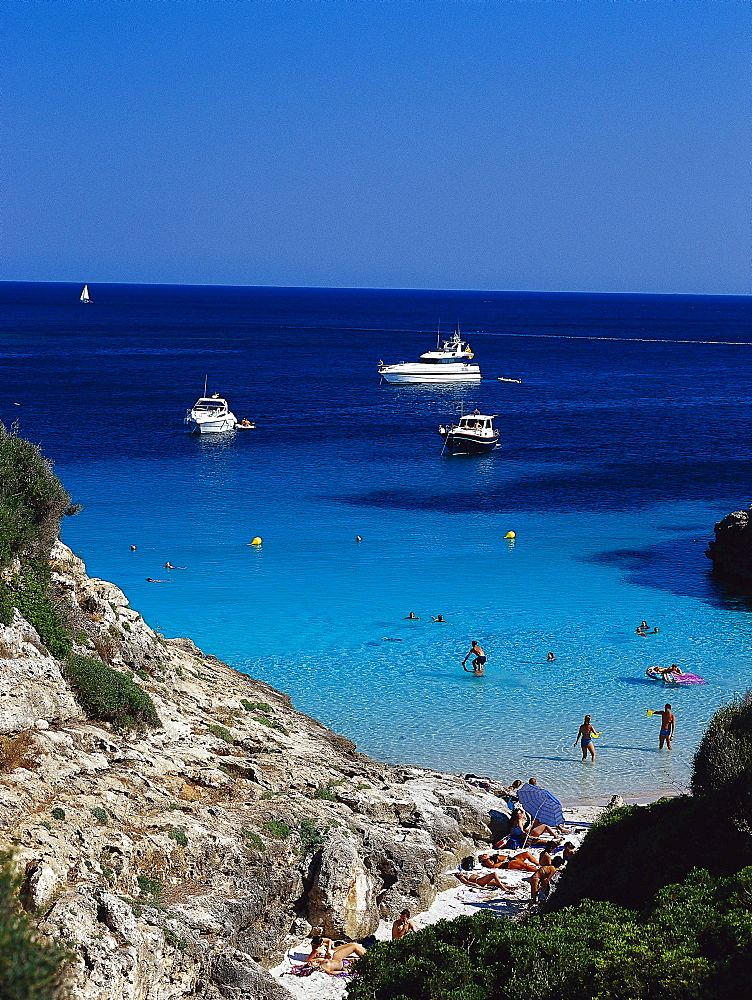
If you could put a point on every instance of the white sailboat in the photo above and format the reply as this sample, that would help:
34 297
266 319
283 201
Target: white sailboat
85 295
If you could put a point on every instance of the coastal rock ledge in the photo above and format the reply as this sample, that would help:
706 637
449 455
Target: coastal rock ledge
731 549
184 860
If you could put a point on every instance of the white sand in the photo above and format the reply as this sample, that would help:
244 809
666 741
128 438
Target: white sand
449 904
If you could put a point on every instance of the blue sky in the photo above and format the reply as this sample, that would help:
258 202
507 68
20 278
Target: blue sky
500 144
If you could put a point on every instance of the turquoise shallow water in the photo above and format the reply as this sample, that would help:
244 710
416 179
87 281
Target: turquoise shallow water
617 460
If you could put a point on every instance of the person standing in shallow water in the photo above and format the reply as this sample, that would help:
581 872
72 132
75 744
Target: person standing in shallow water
479 658
585 735
668 723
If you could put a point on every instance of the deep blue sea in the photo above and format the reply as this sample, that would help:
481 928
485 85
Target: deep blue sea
629 436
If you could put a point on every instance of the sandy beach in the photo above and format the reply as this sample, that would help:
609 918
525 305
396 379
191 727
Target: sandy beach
454 902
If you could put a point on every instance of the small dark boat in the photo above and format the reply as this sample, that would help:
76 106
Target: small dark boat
475 434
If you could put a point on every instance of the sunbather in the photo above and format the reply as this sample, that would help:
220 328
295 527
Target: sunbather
522 862
523 833
333 960
492 879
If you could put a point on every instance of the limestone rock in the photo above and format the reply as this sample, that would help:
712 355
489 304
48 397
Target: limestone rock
343 898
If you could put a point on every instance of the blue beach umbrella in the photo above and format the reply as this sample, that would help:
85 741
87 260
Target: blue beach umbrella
541 804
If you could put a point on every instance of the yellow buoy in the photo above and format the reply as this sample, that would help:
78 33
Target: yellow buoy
256 541
510 534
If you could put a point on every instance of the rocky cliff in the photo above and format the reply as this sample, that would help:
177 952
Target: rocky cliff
182 860
731 550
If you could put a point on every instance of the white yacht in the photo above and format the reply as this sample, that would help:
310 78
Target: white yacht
210 415
448 363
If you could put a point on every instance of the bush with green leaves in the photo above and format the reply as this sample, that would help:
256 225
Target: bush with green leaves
107 695
277 828
311 837
31 967
723 762
693 944
32 500
31 597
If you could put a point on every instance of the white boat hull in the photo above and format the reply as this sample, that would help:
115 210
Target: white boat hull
218 426
427 373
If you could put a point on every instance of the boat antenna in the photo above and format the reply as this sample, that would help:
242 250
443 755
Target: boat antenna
206 379
438 333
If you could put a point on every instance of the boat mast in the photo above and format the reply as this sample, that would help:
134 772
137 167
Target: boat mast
206 379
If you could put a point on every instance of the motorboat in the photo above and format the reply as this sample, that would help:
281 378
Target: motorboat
475 434
210 415
450 362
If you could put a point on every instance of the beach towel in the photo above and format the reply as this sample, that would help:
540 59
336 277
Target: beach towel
300 970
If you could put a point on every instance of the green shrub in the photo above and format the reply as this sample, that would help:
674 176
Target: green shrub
271 724
221 733
277 829
100 815
633 839
311 837
32 500
694 944
177 834
254 841
723 762
6 603
107 695
58 813
31 597
150 886
325 792
255 706
31 968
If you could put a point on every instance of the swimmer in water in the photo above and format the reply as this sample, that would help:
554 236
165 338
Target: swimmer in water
550 657
412 617
439 618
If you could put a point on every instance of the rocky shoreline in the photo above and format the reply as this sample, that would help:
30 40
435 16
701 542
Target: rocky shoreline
731 549
183 861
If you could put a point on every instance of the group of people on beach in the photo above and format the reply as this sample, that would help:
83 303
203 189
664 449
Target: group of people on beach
514 853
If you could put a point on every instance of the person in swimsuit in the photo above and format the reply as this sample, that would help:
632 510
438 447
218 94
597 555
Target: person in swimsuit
541 880
520 832
522 862
402 925
492 879
412 617
438 618
550 657
668 724
479 659
585 736
332 960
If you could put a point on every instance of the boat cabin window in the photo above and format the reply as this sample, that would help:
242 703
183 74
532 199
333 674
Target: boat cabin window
471 421
209 404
